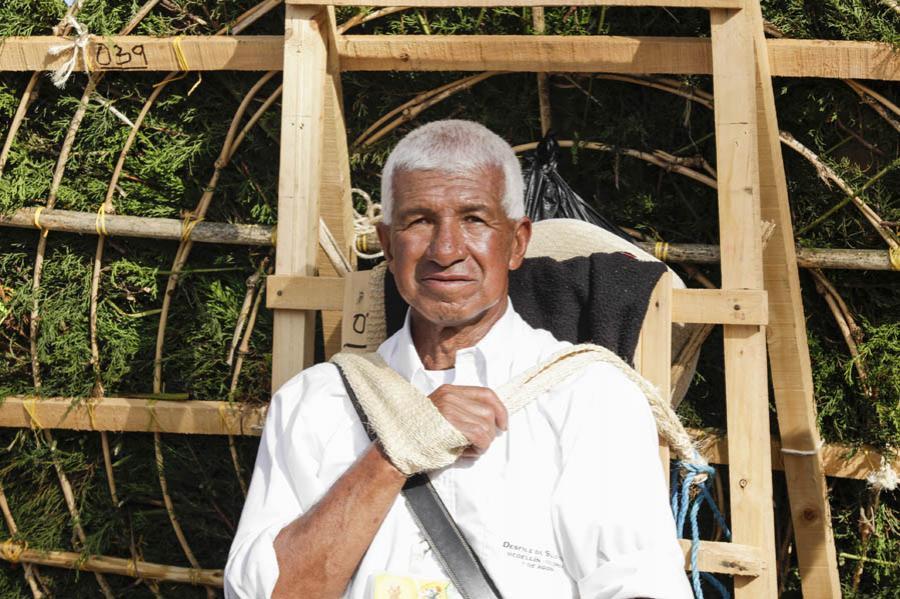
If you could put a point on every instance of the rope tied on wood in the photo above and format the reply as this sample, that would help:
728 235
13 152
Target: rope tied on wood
364 226
37 221
894 257
12 550
883 479
687 499
187 225
76 46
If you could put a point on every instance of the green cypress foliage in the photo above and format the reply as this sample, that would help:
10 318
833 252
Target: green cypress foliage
170 164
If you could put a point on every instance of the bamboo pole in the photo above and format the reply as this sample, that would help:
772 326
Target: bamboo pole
70 221
16 552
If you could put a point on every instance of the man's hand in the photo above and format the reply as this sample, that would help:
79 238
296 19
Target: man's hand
476 412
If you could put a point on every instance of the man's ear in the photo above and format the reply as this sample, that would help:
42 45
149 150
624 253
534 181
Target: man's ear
384 237
521 237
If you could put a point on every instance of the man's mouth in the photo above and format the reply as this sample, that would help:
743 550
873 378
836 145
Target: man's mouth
444 281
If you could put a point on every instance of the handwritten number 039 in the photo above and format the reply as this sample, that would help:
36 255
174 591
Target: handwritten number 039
122 56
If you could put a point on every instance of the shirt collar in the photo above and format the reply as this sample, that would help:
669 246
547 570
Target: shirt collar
487 363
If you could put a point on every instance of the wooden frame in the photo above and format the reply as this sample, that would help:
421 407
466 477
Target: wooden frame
612 54
314 178
745 129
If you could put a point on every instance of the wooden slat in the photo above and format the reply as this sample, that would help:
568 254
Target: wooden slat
789 354
720 306
334 196
194 417
132 414
653 357
714 306
746 376
466 3
299 179
610 54
147 53
304 293
840 461
725 558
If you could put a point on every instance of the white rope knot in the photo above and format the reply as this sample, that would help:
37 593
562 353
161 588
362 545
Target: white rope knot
883 479
79 44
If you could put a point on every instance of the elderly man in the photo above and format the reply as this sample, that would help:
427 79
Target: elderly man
564 498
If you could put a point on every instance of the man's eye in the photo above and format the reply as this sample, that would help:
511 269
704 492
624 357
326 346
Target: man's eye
474 219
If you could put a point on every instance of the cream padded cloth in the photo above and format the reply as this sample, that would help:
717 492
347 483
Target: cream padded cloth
416 437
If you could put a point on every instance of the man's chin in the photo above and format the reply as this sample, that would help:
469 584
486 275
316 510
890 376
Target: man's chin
452 313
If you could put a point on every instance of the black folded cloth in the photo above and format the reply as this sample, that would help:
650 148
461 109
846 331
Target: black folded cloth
601 298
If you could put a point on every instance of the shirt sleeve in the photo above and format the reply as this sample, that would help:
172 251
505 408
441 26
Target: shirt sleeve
286 479
611 514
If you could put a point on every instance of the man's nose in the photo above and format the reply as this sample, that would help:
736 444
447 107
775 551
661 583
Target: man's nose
447 243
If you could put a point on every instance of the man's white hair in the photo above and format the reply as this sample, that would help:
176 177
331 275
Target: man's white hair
454 146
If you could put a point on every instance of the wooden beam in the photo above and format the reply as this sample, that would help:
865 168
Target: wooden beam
789 359
720 306
304 293
715 306
840 461
611 54
299 179
147 53
653 355
335 204
488 3
725 558
746 376
195 417
132 414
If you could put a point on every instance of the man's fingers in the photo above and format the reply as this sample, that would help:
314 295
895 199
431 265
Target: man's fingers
475 411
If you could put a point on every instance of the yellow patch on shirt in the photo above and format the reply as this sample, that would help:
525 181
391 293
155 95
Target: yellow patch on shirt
389 586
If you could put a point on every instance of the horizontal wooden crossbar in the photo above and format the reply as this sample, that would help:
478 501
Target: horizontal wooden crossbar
148 53
725 558
132 414
196 417
721 558
476 3
714 306
610 54
143 227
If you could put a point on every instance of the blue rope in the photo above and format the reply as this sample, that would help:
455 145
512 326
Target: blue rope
685 507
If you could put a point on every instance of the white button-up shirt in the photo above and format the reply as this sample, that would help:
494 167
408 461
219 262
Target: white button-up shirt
570 501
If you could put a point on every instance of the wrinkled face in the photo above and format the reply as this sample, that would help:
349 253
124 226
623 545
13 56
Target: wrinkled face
450 245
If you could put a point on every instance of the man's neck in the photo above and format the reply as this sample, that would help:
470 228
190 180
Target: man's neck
437 343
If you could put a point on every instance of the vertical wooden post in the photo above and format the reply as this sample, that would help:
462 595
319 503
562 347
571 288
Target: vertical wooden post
302 109
653 358
789 353
334 196
746 382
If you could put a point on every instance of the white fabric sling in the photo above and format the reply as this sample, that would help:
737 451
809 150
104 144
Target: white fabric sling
417 438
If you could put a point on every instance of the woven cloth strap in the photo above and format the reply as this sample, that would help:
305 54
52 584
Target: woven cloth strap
417 438
448 544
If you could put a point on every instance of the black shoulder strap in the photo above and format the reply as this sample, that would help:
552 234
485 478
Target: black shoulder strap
447 542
